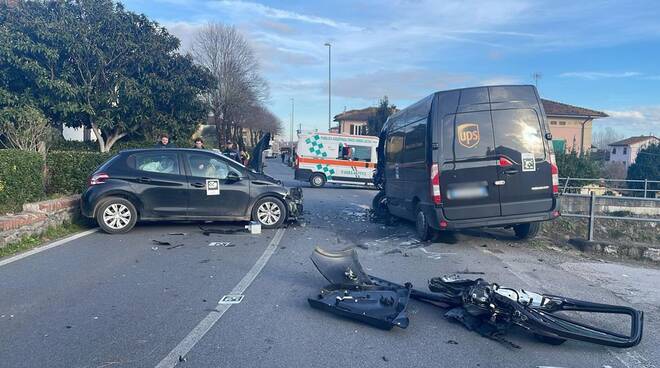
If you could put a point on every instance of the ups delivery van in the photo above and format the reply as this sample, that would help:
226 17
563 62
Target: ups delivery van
466 158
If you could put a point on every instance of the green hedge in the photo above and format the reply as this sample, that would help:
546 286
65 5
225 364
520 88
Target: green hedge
21 179
68 170
63 145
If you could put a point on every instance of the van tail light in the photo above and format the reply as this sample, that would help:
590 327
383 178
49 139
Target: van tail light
555 174
97 179
296 163
435 184
504 162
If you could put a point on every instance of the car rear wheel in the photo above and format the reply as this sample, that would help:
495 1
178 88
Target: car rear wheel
116 215
270 212
424 231
527 231
317 180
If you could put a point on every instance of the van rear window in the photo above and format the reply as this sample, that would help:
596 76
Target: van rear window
518 131
467 135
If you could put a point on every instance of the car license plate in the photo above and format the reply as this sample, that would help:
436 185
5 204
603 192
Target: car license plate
467 193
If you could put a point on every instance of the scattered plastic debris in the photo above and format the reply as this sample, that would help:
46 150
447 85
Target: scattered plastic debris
221 244
161 242
208 231
176 234
254 227
154 248
175 246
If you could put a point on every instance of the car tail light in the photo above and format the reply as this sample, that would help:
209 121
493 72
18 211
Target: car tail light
435 184
97 179
504 162
555 174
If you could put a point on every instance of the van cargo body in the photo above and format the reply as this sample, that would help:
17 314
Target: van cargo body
335 158
470 157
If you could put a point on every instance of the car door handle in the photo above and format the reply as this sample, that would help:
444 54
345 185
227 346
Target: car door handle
511 171
144 180
198 185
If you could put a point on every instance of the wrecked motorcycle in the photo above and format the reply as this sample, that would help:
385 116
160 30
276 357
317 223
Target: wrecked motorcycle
484 307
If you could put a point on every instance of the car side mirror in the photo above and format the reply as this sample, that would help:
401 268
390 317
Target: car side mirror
233 176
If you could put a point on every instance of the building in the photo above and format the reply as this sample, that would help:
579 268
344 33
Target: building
625 151
353 121
570 125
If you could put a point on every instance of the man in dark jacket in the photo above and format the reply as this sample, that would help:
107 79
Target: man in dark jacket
231 152
199 143
164 142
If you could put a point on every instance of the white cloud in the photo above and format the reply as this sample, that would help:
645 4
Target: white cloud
499 80
599 75
270 12
635 121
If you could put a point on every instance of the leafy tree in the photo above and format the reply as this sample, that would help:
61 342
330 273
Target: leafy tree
573 166
646 166
375 122
91 63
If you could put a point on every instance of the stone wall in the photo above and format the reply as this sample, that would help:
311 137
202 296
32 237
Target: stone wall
37 217
580 205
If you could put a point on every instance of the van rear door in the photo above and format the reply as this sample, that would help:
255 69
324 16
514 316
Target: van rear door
524 169
469 169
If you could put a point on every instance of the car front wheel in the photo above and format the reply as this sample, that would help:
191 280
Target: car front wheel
270 212
116 215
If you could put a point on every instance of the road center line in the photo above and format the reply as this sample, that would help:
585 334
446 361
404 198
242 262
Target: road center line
205 325
46 247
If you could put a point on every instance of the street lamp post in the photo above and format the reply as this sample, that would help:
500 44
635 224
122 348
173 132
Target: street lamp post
291 136
329 85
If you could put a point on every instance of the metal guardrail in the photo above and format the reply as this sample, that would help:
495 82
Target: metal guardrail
609 185
592 216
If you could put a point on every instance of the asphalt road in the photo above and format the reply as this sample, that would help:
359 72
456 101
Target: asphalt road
123 301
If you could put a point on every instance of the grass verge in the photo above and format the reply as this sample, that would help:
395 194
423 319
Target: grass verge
52 233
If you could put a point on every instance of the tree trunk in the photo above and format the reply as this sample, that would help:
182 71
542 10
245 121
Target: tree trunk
99 137
112 139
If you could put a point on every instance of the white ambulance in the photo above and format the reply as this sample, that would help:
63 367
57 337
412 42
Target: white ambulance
335 158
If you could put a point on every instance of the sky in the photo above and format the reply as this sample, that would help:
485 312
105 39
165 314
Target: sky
602 55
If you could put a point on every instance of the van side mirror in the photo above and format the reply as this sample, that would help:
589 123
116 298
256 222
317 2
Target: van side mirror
233 176
548 136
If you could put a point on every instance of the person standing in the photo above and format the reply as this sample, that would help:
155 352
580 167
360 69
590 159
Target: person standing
164 142
199 143
231 152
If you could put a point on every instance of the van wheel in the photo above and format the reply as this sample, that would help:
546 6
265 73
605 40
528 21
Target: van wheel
270 212
527 231
379 205
116 215
317 180
424 231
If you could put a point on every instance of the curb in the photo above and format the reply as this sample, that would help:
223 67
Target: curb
639 251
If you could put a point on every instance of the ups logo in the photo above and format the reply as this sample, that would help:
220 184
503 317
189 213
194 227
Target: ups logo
468 134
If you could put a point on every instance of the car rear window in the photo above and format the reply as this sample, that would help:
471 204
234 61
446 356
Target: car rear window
157 162
518 131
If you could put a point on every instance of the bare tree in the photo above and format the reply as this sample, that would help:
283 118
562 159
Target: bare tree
260 121
231 60
602 138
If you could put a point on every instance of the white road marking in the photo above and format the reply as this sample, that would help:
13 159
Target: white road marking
46 247
197 333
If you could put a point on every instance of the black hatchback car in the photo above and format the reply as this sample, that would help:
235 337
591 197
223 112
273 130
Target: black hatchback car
185 184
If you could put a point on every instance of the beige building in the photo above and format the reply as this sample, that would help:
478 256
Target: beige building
570 125
625 151
353 121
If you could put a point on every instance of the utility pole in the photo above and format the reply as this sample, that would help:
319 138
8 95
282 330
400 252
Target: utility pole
292 111
536 76
329 84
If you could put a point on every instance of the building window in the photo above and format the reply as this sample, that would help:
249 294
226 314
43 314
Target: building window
562 123
553 122
614 151
625 150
